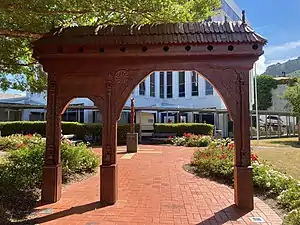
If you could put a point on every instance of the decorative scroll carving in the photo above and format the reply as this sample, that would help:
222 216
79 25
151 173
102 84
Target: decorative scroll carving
51 121
107 152
121 78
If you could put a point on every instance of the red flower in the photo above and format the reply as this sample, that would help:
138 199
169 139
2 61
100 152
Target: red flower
231 145
29 135
169 138
254 157
223 157
187 135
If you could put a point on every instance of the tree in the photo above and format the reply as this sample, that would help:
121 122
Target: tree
292 95
265 84
22 21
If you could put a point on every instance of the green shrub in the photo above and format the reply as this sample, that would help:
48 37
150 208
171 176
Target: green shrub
271 181
179 129
79 129
292 218
290 198
77 159
217 161
191 140
16 141
21 171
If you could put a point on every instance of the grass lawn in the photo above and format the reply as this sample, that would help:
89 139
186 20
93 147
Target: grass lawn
283 154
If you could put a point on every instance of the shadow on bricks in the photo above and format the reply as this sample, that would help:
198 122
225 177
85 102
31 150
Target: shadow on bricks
71 211
231 213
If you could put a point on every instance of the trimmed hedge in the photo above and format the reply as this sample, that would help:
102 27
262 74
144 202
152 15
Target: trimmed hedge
81 130
180 128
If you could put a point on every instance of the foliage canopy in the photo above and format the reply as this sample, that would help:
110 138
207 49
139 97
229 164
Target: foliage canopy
292 95
23 21
265 84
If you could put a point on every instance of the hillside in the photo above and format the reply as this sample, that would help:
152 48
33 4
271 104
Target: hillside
294 74
291 67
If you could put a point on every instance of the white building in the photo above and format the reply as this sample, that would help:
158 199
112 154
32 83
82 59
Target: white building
172 89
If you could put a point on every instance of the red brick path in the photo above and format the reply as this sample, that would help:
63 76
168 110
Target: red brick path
154 189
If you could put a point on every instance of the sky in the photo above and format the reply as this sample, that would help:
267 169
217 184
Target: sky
279 22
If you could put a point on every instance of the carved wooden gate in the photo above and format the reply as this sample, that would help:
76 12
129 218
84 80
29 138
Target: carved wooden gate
106 63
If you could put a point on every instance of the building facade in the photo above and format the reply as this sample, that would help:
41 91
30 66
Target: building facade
169 89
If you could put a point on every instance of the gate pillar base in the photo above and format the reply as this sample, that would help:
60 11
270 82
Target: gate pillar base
51 184
243 187
109 184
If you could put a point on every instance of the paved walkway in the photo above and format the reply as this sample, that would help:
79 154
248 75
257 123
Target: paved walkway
153 189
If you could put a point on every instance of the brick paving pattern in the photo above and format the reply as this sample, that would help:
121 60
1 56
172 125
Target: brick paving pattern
153 189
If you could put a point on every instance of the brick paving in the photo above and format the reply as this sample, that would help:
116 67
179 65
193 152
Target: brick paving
153 189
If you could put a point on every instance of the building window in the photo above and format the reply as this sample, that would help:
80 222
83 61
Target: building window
162 84
152 85
169 85
195 78
181 84
142 88
208 88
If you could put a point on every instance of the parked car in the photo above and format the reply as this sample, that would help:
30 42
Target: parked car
274 121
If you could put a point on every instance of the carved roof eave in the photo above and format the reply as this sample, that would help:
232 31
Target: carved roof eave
194 50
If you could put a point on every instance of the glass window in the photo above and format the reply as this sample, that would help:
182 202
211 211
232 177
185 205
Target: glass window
195 78
181 84
142 88
169 85
152 85
208 88
162 84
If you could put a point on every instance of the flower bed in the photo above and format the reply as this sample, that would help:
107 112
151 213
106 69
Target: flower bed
22 168
191 140
217 161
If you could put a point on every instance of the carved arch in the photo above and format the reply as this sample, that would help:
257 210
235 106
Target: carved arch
64 102
219 77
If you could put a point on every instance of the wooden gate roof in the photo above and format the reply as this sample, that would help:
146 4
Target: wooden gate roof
177 33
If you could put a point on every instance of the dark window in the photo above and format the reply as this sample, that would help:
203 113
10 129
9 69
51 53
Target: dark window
181 84
169 85
73 115
152 85
162 84
142 88
195 78
208 88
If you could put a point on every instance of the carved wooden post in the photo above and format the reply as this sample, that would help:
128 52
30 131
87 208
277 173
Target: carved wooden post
243 185
52 174
132 116
132 137
109 169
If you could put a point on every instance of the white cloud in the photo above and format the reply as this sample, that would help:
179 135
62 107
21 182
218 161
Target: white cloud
261 65
282 48
280 53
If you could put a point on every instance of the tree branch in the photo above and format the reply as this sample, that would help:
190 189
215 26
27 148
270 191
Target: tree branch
19 33
13 7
